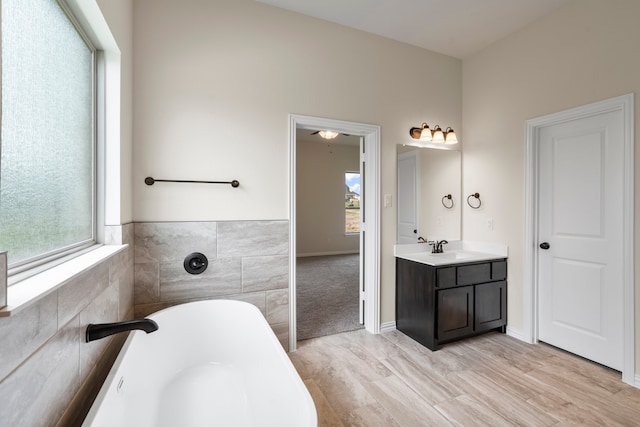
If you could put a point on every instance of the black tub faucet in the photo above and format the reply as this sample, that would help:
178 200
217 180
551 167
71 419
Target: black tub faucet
101 330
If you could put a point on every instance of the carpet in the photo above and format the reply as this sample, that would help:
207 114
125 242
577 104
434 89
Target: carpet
327 295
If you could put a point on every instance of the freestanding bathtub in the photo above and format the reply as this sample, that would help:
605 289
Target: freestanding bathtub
210 363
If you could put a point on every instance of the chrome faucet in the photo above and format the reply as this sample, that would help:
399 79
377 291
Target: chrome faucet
101 330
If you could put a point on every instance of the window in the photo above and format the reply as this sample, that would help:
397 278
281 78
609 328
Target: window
47 145
352 202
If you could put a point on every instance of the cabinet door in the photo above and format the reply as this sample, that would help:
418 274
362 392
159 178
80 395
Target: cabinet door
455 312
490 305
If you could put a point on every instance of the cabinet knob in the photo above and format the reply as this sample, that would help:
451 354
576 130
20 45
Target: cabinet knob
544 245
415 231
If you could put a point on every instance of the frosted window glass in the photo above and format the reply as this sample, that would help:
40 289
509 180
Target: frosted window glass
46 146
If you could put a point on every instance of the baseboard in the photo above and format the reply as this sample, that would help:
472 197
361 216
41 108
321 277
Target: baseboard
309 254
636 382
518 334
388 326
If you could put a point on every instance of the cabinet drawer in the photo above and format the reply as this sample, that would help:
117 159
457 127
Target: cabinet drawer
446 277
474 273
499 270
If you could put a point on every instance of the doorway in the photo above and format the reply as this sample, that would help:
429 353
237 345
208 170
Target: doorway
579 232
328 222
369 247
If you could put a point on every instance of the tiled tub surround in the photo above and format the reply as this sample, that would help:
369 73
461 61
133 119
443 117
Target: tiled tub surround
248 261
48 374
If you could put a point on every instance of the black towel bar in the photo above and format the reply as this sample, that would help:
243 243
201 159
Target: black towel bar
150 181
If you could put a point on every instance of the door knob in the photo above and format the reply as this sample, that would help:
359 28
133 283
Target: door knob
544 245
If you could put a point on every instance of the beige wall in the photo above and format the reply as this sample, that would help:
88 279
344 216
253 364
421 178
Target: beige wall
586 51
214 83
320 187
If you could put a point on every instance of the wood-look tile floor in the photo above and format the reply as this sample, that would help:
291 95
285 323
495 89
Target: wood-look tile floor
360 379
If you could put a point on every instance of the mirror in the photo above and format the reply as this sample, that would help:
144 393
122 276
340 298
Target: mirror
426 177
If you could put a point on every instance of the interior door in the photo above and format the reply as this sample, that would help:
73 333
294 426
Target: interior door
363 217
580 284
408 197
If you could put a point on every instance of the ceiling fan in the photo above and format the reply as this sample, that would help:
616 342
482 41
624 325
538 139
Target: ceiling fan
328 134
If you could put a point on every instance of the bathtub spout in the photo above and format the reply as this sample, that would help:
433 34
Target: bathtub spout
101 330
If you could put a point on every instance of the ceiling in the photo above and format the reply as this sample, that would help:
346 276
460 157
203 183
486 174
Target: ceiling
457 28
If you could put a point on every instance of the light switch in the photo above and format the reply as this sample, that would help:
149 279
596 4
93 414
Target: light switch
387 200
490 224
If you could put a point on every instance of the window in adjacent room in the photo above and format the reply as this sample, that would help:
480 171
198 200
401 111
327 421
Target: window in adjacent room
352 202
47 146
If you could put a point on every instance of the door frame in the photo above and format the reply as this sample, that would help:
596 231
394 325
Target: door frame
625 104
371 227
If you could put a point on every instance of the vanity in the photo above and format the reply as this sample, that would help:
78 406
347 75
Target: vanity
452 295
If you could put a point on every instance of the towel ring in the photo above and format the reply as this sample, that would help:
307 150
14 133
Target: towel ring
477 196
444 201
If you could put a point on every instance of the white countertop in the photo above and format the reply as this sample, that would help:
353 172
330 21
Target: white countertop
454 252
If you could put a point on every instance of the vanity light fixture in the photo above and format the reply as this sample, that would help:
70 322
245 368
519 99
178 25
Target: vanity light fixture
435 135
438 135
328 134
450 136
422 133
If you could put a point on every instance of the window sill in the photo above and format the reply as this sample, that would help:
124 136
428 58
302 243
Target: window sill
30 290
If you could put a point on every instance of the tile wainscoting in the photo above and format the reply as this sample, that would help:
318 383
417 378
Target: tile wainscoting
248 261
48 374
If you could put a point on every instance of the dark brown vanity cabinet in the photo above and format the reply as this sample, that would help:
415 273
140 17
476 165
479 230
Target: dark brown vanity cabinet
435 305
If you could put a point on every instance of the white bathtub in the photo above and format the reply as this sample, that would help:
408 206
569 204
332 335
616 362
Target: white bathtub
211 363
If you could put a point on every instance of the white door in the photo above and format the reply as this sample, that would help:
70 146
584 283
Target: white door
580 281
408 197
363 234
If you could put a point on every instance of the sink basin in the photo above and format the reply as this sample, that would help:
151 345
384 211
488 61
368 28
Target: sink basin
439 259
453 255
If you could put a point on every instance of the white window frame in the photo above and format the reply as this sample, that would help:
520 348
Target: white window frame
346 233
38 262
46 279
